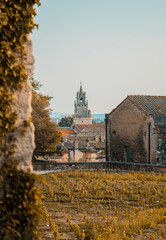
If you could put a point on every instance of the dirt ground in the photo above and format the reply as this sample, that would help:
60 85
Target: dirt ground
103 205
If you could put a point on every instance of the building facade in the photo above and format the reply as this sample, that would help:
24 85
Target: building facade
136 130
82 115
82 130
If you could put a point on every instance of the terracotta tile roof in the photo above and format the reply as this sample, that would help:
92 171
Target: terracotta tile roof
66 132
91 128
152 105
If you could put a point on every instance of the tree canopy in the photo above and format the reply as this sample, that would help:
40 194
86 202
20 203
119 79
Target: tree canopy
46 134
66 121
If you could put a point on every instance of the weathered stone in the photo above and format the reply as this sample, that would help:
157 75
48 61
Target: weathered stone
50 165
21 105
134 135
81 113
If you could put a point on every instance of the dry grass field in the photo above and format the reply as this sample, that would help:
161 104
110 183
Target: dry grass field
100 205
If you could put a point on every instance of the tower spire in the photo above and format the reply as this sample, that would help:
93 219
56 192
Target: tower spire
81 113
81 86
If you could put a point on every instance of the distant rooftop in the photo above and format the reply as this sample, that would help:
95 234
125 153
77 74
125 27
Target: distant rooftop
66 131
91 128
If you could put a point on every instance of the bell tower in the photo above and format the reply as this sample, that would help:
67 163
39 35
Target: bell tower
81 113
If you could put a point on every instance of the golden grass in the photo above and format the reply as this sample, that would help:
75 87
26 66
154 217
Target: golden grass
103 205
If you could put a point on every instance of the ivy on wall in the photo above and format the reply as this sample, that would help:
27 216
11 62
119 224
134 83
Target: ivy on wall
16 22
19 200
20 208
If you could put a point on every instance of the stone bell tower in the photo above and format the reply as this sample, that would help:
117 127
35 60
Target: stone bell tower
81 113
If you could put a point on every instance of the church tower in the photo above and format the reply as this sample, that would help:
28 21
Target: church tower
81 113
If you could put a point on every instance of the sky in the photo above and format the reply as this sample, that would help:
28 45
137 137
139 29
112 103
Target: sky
115 47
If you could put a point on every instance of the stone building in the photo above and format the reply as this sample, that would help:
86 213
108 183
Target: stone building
76 139
82 124
82 115
136 130
82 129
94 132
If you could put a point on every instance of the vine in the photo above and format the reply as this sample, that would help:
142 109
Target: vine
16 22
20 208
19 198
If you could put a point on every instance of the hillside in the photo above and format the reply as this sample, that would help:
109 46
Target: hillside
56 117
99 117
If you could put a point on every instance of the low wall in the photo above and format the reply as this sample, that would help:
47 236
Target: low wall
51 165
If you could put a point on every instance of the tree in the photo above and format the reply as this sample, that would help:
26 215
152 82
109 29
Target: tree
66 121
46 134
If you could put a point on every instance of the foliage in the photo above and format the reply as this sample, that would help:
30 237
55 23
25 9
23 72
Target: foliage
16 22
101 205
46 134
52 225
66 121
19 204
19 208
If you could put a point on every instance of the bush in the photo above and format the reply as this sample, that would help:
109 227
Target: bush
19 204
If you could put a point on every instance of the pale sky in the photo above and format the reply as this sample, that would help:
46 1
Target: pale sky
115 47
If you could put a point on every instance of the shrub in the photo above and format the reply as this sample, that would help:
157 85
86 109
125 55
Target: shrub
19 204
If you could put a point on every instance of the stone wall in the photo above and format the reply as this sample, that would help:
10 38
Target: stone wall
89 156
128 134
52 166
22 106
160 132
75 155
24 135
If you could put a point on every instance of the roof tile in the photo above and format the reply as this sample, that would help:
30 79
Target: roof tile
91 128
152 105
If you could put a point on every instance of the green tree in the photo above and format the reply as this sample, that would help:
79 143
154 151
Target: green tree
93 122
66 121
46 134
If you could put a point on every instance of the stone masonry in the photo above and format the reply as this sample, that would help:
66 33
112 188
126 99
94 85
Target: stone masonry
22 106
81 113
134 135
